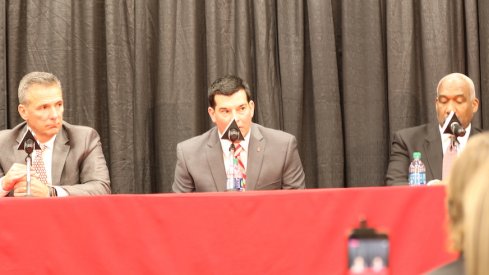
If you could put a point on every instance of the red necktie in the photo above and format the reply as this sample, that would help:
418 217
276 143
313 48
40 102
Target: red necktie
449 157
39 167
237 155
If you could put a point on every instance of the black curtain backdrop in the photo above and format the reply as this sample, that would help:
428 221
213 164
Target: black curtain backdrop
341 75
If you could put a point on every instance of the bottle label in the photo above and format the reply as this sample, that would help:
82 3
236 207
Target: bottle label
239 184
235 180
417 178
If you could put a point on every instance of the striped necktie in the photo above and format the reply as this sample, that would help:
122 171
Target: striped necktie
237 155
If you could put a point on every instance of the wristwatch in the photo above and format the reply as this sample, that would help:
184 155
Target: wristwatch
52 192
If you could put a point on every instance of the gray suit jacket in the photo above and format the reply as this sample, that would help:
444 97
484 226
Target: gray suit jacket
273 162
425 139
452 268
78 161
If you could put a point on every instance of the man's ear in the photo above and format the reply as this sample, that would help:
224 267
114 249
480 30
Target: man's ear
212 114
252 107
22 111
475 105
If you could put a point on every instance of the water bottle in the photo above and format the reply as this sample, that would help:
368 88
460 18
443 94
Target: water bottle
239 183
417 170
235 180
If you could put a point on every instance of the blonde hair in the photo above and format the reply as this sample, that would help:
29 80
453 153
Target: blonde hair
476 224
32 78
475 154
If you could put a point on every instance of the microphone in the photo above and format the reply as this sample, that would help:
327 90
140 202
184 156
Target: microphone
457 129
453 126
29 146
232 132
29 143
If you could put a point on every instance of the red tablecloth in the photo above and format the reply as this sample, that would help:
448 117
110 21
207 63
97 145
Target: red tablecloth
269 232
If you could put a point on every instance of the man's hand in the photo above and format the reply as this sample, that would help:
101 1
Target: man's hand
436 182
38 188
15 174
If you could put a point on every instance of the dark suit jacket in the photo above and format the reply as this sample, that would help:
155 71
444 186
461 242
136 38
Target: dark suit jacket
425 139
452 268
273 162
78 161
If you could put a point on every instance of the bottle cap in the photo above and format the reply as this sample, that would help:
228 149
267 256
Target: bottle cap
416 155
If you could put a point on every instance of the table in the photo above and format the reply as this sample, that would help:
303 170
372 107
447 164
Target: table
261 232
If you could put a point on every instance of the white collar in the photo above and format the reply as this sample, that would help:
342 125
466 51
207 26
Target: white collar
49 144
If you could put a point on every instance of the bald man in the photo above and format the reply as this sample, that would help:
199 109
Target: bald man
455 92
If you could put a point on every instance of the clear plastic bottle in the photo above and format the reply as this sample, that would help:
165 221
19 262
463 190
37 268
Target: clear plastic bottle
239 184
235 180
417 170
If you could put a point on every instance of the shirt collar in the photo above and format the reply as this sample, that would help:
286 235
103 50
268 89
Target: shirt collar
49 144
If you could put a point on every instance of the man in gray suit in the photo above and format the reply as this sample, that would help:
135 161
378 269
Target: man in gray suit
455 92
270 157
72 158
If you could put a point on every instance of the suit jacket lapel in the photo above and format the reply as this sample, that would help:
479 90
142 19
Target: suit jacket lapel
60 153
434 151
215 160
256 149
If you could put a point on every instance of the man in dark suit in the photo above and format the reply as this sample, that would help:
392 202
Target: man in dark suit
72 160
270 157
455 92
